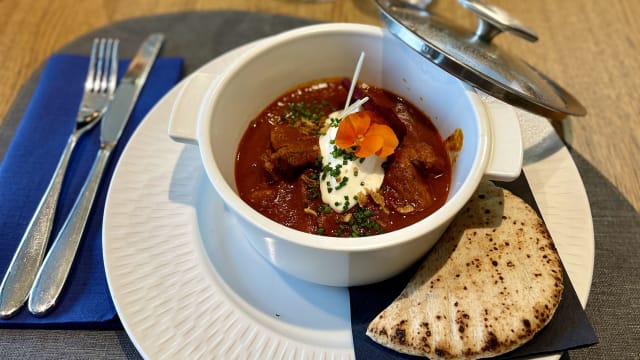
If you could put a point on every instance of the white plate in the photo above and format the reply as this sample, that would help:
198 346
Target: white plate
186 284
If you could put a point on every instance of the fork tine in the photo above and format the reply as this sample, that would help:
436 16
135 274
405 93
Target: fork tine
99 65
113 71
105 74
88 83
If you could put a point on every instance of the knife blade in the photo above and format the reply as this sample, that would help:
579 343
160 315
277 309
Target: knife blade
55 268
129 89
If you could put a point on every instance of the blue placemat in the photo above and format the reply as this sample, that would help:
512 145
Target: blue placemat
29 164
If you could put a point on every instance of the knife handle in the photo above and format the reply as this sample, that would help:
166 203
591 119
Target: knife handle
55 269
26 260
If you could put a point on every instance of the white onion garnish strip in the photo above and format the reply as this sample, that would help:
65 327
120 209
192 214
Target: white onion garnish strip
356 104
356 73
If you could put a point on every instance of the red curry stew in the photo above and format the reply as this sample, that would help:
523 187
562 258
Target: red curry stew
278 163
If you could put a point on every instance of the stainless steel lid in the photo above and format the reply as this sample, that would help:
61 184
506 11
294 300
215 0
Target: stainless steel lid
471 57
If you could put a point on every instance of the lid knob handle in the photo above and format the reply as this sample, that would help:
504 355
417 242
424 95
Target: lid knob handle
492 20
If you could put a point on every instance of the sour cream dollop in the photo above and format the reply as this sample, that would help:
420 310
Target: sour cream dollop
343 178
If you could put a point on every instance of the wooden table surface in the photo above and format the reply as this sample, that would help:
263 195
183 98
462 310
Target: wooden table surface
590 47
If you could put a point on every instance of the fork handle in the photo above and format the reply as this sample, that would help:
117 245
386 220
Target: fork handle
27 258
55 269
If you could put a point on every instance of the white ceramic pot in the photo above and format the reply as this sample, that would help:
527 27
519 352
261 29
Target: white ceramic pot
213 111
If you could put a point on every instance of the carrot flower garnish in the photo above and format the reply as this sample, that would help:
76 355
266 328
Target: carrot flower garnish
367 133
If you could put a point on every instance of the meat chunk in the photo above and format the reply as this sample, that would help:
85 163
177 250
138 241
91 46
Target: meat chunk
407 188
423 158
292 151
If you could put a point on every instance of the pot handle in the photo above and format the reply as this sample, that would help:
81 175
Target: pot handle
505 163
183 119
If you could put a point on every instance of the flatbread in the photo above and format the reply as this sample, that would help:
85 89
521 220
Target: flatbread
491 282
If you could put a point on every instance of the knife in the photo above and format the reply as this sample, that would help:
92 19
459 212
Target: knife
57 264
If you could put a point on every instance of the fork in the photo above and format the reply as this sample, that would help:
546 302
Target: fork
99 87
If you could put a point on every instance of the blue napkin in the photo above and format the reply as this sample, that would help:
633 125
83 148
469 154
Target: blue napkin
568 329
29 164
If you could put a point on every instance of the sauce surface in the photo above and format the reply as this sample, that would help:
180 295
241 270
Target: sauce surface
278 163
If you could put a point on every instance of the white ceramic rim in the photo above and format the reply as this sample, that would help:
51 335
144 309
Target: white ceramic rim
320 242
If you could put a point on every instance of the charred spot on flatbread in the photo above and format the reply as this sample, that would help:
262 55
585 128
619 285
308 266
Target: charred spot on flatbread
488 286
